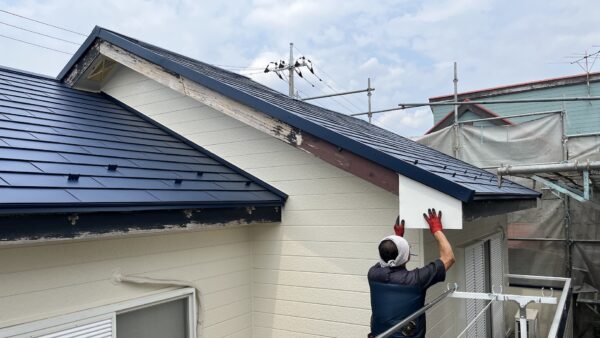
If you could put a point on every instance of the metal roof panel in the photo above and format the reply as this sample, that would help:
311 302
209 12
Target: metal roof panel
66 150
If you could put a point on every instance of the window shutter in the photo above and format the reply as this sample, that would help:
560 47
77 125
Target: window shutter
97 329
497 278
475 282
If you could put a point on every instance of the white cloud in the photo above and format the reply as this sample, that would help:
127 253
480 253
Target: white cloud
406 122
405 47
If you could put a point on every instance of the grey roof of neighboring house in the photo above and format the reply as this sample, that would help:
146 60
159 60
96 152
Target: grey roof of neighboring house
65 150
406 157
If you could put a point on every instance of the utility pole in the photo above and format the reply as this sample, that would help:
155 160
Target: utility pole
295 65
292 67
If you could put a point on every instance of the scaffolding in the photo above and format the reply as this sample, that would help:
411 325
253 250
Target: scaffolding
565 168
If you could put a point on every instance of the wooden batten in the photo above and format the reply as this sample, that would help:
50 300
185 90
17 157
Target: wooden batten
345 160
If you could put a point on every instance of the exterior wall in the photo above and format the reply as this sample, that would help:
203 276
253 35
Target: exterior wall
448 319
45 280
581 117
309 272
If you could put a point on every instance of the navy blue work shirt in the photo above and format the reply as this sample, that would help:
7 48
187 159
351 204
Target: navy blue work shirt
404 294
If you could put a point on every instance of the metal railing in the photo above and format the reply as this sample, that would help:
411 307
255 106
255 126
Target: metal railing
557 326
561 314
416 314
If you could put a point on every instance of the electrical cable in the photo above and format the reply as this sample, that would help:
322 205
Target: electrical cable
35 44
253 73
330 87
235 67
43 23
42 34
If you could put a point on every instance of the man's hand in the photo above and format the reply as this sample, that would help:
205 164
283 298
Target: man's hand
399 227
435 225
434 220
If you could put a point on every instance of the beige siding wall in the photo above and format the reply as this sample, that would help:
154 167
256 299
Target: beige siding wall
41 281
309 272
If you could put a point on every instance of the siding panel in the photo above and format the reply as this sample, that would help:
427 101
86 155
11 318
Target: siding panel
309 272
68 276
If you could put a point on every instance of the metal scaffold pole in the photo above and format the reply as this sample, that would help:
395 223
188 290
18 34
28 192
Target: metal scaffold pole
456 126
369 89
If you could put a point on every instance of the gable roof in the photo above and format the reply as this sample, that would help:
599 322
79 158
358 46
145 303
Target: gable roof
65 150
465 106
408 158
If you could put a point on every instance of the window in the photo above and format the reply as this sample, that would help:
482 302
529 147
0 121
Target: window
168 314
167 319
484 271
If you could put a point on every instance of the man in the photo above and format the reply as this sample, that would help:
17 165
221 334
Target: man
397 292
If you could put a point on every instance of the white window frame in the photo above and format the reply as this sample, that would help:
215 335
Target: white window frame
111 311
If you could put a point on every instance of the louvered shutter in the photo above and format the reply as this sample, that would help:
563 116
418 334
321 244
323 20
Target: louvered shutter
475 282
100 329
497 278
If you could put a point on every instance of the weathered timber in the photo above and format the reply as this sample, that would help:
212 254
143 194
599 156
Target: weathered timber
217 101
38 227
345 160
348 161
82 65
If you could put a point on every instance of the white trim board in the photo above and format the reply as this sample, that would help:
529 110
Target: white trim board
415 198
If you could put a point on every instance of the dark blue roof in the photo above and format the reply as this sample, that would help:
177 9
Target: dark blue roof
406 157
64 150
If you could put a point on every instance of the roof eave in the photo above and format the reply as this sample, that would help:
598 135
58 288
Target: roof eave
49 208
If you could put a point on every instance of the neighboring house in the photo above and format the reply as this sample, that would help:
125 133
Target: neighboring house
296 271
582 117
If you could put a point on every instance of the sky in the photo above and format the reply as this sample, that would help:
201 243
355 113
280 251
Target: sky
406 47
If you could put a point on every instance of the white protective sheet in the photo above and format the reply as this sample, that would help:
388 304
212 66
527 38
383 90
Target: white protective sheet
537 141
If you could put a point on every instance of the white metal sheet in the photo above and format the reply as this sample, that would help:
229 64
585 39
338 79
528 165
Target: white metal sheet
415 198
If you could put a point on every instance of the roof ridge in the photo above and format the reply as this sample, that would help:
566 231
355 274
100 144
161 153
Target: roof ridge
515 85
27 73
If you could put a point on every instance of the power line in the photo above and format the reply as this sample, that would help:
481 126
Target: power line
330 87
235 67
42 34
41 22
253 73
35 44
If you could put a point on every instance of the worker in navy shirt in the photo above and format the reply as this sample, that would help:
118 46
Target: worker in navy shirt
396 292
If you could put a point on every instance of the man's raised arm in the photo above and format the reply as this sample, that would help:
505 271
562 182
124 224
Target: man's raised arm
435 225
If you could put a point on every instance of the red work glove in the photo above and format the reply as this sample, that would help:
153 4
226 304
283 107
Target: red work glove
434 220
399 227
